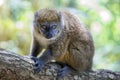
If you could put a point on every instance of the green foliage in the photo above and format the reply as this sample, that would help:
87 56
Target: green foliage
101 16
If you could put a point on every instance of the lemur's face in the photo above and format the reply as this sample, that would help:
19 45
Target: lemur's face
49 29
48 23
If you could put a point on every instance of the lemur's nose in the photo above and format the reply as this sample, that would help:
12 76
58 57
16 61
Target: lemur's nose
49 36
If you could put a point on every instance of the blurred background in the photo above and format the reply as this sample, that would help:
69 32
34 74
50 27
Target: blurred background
101 16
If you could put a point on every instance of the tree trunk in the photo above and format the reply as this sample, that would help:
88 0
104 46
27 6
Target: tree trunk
16 67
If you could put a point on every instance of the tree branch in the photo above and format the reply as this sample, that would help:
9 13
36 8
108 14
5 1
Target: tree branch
16 67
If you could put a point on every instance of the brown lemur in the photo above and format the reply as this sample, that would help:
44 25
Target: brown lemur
65 40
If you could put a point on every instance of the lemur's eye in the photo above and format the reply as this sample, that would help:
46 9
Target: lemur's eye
54 26
43 26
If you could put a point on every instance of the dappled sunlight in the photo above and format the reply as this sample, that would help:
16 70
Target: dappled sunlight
105 16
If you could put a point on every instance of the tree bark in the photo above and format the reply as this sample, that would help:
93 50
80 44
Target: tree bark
17 67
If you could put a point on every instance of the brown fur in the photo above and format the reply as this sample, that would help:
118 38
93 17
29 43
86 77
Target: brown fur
47 16
75 47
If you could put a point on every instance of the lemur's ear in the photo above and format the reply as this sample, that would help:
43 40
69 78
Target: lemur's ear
36 15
